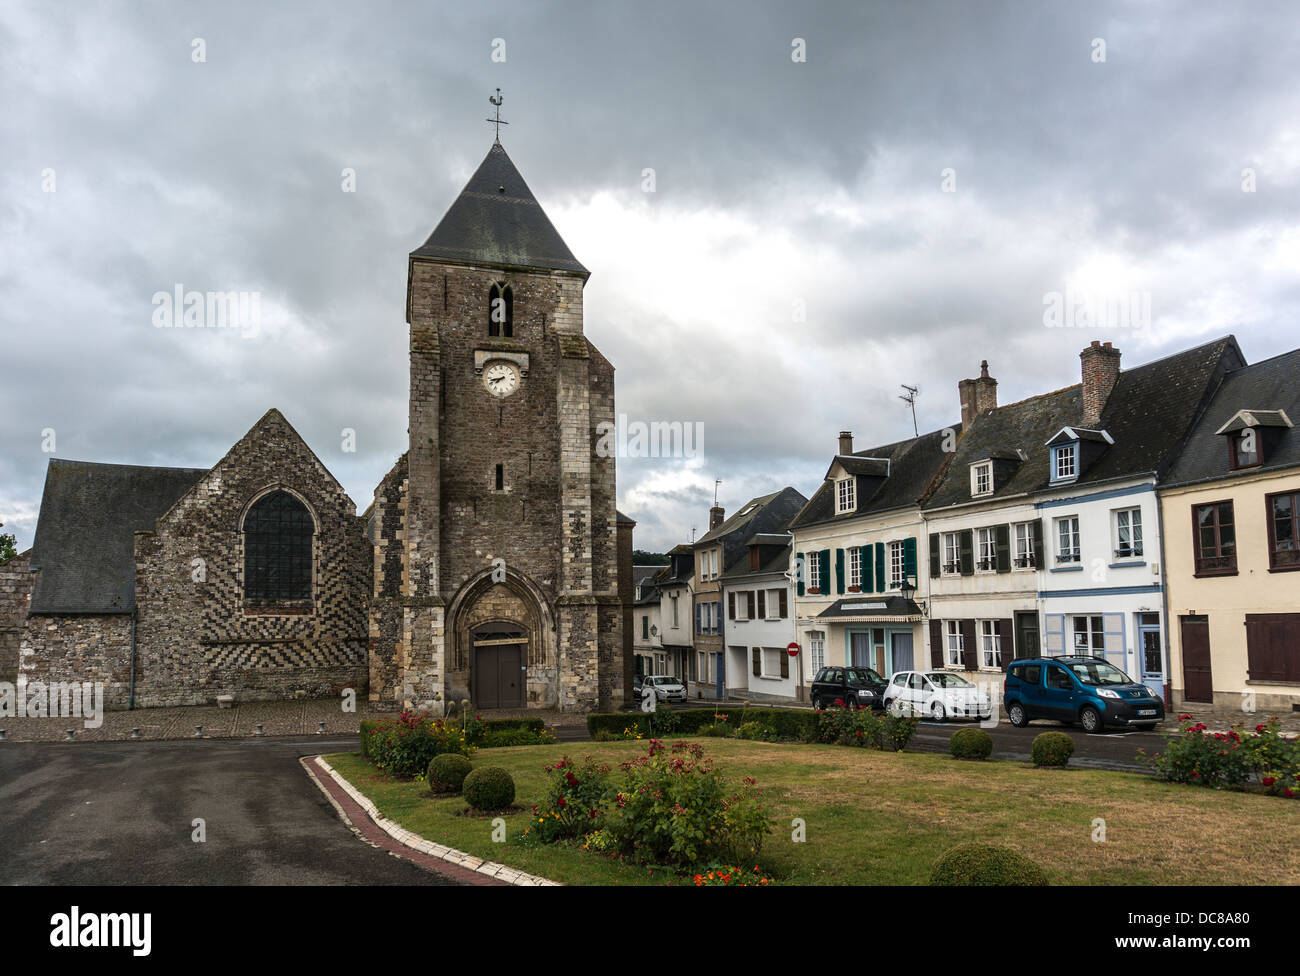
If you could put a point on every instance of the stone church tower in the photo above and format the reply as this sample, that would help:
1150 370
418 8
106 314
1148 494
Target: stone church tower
495 535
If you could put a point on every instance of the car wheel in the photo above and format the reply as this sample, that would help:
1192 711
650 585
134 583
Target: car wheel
816 704
1090 720
1017 715
851 702
937 711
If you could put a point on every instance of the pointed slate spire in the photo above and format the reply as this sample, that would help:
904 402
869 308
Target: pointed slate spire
496 220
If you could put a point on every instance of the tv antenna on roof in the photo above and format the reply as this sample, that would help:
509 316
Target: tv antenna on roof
910 399
716 482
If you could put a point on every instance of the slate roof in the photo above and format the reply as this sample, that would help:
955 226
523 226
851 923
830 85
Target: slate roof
764 514
1148 414
84 544
1273 384
913 466
868 605
778 561
496 220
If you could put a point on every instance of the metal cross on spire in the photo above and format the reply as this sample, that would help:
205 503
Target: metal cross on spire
498 121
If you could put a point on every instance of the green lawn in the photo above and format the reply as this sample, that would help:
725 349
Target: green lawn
883 818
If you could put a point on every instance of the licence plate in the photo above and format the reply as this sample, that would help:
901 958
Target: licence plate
1146 711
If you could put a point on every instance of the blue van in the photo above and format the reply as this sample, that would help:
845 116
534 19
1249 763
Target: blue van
1086 690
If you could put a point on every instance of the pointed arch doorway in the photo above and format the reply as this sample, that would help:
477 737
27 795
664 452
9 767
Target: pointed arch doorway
498 664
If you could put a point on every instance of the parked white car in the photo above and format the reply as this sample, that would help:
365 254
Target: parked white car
939 695
665 688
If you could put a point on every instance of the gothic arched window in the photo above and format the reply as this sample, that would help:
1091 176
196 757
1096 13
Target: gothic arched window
278 533
501 311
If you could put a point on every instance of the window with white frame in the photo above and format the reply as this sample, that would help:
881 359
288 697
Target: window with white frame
987 543
981 478
991 643
1065 462
1067 539
895 565
855 566
1089 636
772 606
704 676
954 643
845 495
814 565
771 658
1025 555
1128 533
742 603
817 649
952 553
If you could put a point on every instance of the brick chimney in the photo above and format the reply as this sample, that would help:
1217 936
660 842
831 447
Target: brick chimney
846 442
715 517
1100 364
977 395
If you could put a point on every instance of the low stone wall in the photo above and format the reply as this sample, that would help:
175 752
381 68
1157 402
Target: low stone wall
79 648
15 595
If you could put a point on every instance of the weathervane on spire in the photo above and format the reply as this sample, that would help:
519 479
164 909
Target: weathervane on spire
498 121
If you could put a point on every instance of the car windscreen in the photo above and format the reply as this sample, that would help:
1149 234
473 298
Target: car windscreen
864 676
945 680
1100 673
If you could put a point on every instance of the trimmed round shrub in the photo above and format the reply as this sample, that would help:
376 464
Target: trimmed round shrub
971 744
447 772
985 864
1052 749
489 788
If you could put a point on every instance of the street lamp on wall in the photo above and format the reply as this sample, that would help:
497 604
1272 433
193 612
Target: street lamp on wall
908 591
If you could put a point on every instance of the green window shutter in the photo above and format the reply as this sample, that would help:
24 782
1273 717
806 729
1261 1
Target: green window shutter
824 557
1003 548
909 560
645 628
882 581
758 662
867 564
839 570
935 565
966 547
799 565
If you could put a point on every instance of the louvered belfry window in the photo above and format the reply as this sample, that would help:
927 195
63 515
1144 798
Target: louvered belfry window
277 549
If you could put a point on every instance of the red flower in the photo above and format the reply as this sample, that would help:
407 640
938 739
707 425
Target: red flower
561 802
1268 781
571 779
1288 793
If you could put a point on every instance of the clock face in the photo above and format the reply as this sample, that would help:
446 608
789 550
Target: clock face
501 378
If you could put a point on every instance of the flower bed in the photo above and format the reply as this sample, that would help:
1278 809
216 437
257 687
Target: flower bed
1236 759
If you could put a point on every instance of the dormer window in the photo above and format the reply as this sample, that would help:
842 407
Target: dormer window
1065 462
845 496
1244 448
1253 435
981 478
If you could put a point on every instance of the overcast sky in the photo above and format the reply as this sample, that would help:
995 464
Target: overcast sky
803 252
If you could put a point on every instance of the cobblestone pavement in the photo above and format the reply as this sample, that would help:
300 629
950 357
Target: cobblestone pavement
275 718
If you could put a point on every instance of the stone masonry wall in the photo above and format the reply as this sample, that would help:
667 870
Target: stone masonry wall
15 596
79 648
195 637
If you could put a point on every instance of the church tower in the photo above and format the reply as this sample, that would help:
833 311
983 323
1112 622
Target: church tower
495 535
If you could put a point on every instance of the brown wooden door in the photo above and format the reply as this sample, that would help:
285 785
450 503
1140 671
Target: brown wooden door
499 676
1198 681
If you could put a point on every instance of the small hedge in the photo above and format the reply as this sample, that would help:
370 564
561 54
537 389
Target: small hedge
971 744
790 724
489 788
447 772
985 864
1052 749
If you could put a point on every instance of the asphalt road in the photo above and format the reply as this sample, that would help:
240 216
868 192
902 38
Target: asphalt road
120 813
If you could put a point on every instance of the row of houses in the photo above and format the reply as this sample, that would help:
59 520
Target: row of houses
1149 516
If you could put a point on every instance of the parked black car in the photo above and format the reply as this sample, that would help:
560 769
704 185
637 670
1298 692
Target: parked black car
855 687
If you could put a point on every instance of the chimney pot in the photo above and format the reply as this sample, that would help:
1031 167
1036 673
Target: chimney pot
846 442
977 395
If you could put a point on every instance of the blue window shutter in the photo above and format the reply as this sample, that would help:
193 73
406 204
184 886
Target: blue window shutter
1054 632
867 575
882 581
839 570
699 615
799 565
